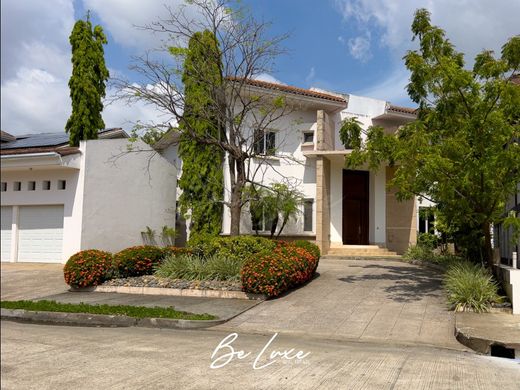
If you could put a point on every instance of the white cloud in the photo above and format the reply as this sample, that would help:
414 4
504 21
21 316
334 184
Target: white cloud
311 75
359 47
36 68
392 88
472 25
268 78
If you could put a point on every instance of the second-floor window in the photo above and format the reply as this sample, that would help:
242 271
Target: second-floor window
265 142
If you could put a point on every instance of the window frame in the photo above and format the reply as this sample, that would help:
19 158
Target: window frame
306 202
260 144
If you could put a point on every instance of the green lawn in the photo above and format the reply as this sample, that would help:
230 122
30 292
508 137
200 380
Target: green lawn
131 311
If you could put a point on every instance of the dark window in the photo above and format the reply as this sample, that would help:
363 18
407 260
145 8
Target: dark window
17 186
265 142
308 138
62 184
46 185
262 224
307 215
4 186
31 186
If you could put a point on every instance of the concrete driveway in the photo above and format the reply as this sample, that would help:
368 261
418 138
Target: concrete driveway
31 280
363 300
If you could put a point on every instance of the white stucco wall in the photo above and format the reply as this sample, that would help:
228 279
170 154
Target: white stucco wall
289 165
124 192
69 198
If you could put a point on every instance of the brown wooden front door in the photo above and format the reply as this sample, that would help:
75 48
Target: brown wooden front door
355 207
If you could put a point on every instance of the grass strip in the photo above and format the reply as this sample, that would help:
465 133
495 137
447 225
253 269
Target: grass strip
122 310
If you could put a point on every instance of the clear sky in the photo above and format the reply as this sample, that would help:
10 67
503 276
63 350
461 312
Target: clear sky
349 46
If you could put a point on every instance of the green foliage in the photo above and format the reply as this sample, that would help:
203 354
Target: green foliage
274 204
426 254
192 267
88 268
87 83
350 133
202 180
273 273
168 235
137 260
428 240
237 247
462 151
150 135
118 310
471 287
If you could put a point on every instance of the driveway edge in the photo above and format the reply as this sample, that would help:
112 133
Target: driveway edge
103 320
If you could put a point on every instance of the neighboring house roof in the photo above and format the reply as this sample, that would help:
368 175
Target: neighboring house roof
50 142
401 109
6 137
63 150
292 90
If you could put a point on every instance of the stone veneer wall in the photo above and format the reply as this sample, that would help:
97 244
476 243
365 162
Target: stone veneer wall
401 219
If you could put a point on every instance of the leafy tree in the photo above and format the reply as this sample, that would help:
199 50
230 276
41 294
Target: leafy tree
202 180
462 152
274 204
246 50
87 83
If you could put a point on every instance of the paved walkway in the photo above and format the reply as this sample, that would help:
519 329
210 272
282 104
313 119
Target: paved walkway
364 300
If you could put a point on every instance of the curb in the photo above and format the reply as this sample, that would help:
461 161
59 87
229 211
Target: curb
480 344
172 292
103 320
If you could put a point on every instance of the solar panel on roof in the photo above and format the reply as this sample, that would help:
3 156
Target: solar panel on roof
40 140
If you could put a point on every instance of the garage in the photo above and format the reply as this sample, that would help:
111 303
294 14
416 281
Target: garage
7 220
40 234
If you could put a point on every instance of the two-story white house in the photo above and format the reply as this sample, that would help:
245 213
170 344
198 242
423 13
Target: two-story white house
345 211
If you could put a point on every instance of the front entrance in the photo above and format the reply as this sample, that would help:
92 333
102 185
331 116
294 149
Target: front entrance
355 207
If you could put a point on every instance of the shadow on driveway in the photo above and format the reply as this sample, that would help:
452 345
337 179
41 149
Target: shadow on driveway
405 284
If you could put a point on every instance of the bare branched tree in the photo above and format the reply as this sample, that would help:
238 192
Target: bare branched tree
246 51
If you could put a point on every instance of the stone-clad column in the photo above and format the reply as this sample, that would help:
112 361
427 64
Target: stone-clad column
401 219
323 204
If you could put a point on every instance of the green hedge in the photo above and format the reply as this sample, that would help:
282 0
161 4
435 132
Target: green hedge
138 260
273 273
239 248
88 268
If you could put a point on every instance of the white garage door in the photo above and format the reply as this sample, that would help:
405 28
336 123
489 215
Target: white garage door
7 220
40 233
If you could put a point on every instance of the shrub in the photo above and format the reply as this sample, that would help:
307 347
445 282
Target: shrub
137 260
239 248
175 251
309 246
88 268
470 287
275 272
425 254
192 267
428 240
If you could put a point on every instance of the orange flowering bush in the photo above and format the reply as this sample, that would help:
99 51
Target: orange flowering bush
273 273
88 268
138 260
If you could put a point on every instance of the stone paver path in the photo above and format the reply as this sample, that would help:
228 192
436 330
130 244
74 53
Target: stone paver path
364 300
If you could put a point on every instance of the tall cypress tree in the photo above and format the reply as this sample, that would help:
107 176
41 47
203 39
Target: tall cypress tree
202 180
87 83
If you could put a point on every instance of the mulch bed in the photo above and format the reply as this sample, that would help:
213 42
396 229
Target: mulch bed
154 281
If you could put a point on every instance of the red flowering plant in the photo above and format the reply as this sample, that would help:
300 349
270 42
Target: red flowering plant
138 260
88 268
273 273
174 251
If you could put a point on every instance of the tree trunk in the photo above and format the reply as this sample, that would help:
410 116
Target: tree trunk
237 171
488 249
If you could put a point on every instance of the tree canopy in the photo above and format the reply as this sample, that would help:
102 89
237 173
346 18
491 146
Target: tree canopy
87 83
463 150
